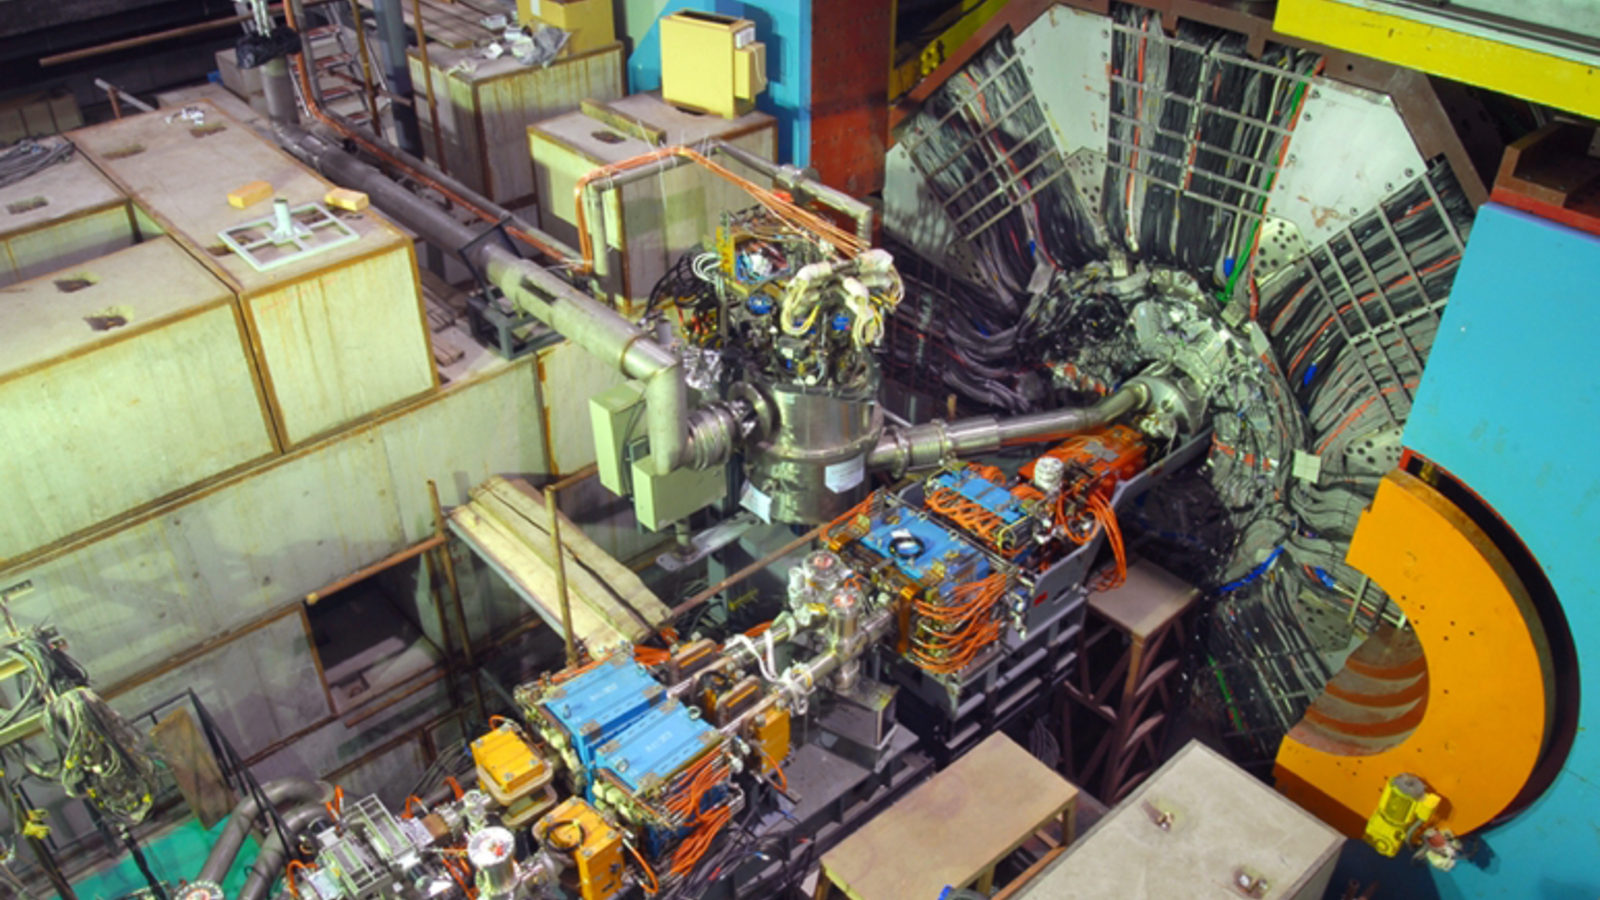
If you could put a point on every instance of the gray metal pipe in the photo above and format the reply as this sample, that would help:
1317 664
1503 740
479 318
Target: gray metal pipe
572 313
309 147
275 854
226 849
920 446
392 45
282 110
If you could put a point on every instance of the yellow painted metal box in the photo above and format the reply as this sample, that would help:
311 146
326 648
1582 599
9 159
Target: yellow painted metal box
510 764
590 21
576 828
337 335
645 226
711 63
124 380
61 215
485 107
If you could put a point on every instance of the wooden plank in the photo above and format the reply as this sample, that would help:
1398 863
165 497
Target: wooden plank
605 582
533 579
997 796
194 767
445 302
506 519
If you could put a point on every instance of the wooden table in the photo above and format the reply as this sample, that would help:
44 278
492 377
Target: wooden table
952 830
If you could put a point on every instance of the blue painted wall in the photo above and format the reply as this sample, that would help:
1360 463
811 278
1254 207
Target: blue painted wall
1510 404
785 27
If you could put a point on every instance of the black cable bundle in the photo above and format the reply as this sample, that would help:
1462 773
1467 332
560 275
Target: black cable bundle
991 158
1217 150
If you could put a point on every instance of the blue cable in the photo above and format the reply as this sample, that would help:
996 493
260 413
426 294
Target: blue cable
1255 573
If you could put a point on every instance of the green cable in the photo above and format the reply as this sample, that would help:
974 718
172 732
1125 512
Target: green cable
1227 696
1226 296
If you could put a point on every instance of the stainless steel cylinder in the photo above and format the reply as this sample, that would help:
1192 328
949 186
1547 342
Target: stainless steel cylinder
813 466
492 853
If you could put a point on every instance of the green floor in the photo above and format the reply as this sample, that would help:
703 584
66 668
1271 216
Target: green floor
174 856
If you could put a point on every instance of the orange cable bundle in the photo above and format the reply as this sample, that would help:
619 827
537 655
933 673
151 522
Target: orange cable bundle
864 507
650 656
574 673
1101 507
695 845
654 885
783 780
969 626
288 876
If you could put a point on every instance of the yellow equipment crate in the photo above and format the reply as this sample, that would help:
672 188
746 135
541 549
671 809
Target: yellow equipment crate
711 63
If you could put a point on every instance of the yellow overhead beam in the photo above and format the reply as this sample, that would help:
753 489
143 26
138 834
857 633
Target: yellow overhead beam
1497 66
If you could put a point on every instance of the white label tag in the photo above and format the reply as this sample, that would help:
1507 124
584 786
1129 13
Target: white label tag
1307 466
744 37
753 499
841 477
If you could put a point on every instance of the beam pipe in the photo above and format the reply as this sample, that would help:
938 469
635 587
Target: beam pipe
920 446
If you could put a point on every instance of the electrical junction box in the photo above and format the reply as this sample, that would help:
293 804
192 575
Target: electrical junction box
576 827
660 500
662 741
600 703
589 22
622 457
711 63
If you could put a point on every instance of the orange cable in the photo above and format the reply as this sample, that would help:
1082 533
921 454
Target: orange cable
654 884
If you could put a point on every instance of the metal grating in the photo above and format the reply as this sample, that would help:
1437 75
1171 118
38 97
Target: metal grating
1000 186
1381 295
1223 156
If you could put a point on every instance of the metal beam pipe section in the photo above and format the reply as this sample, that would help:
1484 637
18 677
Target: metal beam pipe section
572 313
903 449
282 110
226 849
274 853
806 676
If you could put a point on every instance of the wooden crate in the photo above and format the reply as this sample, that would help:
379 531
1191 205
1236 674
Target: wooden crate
65 214
649 224
98 419
484 110
337 335
38 114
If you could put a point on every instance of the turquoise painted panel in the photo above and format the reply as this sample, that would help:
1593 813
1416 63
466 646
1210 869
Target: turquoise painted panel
783 25
174 856
1510 404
